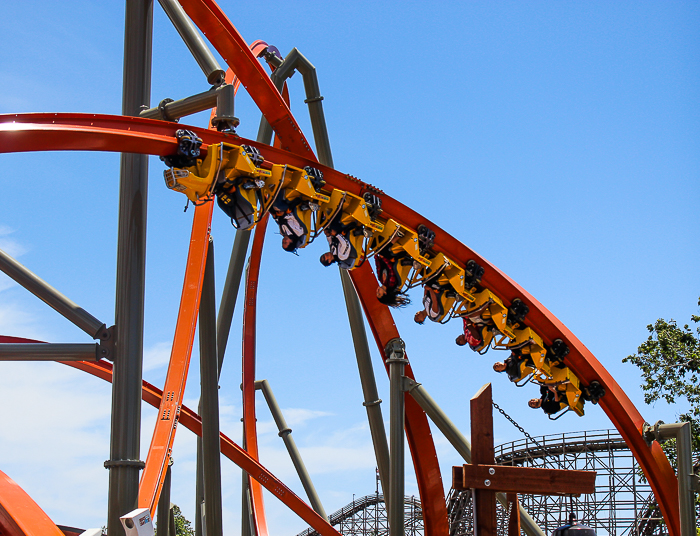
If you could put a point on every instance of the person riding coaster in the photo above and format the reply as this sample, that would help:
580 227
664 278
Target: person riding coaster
344 242
472 334
348 221
438 303
566 384
293 219
551 400
389 270
518 367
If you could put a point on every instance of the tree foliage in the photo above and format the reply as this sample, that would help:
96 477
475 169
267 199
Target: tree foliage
670 364
182 525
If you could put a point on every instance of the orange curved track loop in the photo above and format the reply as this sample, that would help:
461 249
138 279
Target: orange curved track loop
20 515
619 408
257 506
160 450
34 132
249 356
209 17
192 421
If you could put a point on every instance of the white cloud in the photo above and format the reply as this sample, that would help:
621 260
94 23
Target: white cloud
156 356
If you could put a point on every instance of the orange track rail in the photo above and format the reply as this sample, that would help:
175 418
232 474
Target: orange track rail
168 414
34 132
20 515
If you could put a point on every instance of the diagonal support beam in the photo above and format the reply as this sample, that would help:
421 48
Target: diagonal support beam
52 297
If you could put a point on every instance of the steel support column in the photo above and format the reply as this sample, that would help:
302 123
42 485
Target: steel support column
396 359
164 505
131 261
198 47
681 432
368 381
53 298
211 454
285 432
295 60
52 352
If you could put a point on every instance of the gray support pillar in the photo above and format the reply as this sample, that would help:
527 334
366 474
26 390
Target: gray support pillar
461 445
285 432
396 359
296 60
199 486
211 453
124 463
51 352
246 525
369 384
194 41
686 478
164 505
49 295
230 294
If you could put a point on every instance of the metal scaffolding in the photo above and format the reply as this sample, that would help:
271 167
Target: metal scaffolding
622 505
367 516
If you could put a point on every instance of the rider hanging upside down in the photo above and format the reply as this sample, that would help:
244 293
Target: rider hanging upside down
235 205
434 299
551 400
291 226
517 366
471 336
341 249
389 290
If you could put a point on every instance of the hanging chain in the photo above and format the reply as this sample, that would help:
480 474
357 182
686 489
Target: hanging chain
522 430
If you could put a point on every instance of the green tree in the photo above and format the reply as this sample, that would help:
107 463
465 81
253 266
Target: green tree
670 364
182 525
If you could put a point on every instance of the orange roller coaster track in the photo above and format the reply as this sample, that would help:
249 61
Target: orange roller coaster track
35 132
79 132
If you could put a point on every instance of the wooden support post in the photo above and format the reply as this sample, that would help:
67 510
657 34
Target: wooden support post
514 519
485 478
481 411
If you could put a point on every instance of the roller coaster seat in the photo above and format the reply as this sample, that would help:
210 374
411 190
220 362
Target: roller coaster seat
444 271
396 239
567 384
529 342
487 308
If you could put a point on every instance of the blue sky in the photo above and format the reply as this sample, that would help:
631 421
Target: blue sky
559 140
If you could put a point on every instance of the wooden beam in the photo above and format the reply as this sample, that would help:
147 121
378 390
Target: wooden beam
514 520
526 480
481 413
